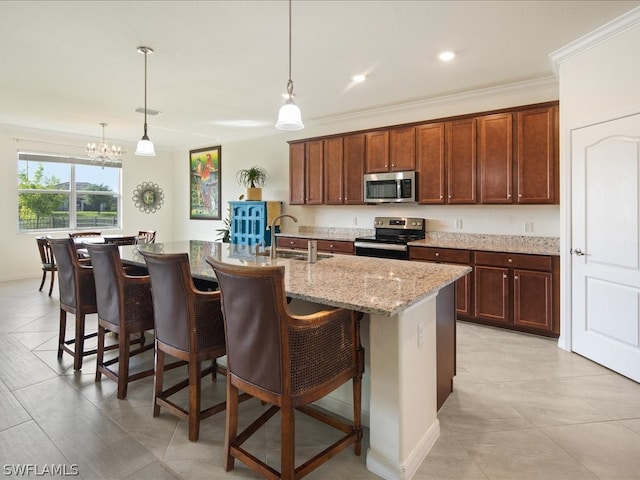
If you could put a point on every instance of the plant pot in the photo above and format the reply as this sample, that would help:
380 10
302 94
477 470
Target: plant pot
253 193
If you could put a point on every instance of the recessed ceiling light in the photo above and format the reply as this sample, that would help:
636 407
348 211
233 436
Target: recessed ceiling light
446 56
359 78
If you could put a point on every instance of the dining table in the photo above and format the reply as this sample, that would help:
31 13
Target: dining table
406 306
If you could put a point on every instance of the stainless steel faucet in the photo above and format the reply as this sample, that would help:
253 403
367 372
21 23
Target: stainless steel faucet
273 232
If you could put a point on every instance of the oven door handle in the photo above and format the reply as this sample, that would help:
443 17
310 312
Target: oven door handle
381 246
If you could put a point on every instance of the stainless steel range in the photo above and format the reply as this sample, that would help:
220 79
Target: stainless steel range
391 238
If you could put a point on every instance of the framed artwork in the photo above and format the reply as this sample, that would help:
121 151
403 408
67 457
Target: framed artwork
205 188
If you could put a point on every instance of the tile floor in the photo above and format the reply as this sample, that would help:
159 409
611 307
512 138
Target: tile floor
522 409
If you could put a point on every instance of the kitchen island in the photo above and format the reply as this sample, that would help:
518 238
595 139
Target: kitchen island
403 302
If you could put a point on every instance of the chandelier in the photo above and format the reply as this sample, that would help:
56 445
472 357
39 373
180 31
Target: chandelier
104 152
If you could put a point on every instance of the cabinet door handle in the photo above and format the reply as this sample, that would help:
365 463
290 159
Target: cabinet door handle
441 196
437 254
516 277
330 246
510 260
504 275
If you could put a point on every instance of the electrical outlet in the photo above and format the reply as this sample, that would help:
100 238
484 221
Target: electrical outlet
459 223
528 227
420 334
355 221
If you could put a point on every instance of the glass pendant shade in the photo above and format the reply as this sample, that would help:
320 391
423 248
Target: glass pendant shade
289 116
145 147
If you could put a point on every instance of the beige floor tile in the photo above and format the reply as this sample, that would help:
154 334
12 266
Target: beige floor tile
27 445
633 424
81 433
153 471
12 413
608 449
18 367
448 460
613 394
522 455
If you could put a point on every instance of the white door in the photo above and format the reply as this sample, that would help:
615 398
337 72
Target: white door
605 164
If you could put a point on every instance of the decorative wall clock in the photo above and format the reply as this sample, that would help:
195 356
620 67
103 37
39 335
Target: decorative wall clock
148 197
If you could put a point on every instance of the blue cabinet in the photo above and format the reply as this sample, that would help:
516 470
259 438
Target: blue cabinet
251 221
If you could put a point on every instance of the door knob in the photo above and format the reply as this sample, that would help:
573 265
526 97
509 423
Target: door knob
577 252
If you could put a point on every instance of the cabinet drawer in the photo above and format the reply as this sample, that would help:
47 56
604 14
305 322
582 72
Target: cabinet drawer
515 260
446 255
335 246
292 242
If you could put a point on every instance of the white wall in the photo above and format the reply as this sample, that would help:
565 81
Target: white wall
272 152
20 257
598 81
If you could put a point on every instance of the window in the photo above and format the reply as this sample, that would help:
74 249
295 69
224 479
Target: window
67 193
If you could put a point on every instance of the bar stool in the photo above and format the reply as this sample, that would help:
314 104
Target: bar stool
124 308
285 360
77 296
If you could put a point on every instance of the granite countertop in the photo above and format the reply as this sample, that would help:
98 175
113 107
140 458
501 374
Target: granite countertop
466 241
370 285
492 243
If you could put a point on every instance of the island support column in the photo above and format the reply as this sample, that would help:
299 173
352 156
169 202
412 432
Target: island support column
403 421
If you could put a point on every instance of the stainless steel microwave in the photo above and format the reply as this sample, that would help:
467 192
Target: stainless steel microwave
396 187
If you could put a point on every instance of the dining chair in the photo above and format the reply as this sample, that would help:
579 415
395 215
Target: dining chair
189 327
77 296
287 361
79 240
146 236
47 260
124 308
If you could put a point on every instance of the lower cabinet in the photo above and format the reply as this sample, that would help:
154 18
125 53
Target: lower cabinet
510 290
325 246
518 291
449 255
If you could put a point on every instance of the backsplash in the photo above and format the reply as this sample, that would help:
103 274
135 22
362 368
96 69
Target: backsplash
497 242
336 232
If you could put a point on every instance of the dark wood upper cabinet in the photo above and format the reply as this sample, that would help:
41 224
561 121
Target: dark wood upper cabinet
377 151
501 157
297 174
402 149
461 161
333 171
430 159
354 155
495 158
314 170
537 156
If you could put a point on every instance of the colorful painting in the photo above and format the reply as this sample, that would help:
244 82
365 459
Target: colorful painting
205 188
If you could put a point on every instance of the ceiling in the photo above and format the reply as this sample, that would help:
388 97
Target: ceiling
220 67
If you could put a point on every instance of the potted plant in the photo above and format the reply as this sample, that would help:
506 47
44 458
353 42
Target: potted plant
253 179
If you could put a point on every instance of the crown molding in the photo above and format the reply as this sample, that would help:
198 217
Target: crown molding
600 35
527 86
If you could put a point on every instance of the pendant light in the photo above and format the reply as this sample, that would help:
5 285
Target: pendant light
289 116
145 146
